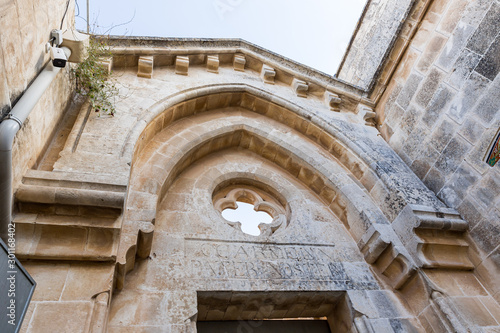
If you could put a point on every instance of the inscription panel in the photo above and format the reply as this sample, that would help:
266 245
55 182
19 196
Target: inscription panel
228 260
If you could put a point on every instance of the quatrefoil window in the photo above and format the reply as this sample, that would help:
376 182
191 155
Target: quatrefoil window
250 210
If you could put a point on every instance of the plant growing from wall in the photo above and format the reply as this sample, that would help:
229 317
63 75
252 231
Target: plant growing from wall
93 79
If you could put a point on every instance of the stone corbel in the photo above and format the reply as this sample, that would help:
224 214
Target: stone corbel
268 74
106 63
382 248
145 67
435 238
369 116
181 65
333 101
213 63
239 62
300 87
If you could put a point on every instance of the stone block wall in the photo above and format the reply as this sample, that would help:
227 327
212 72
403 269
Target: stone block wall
441 112
26 27
376 31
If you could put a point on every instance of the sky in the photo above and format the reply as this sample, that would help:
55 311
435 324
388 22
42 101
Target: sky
248 217
315 33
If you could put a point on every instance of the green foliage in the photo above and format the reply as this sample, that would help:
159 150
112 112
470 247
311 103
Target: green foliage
93 80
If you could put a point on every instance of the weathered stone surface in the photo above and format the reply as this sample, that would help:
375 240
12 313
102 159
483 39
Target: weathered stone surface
489 66
437 104
487 30
463 67
454 46
409 89
443 133
432 50
429 87
452 155
471 130
177 142
377 30
487 107
465 100
457 187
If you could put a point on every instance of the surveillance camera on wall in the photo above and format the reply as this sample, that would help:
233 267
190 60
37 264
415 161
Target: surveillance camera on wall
58 57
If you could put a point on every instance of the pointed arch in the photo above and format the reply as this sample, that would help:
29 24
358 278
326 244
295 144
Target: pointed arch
164 159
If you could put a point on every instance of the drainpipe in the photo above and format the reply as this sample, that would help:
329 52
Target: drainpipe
8 129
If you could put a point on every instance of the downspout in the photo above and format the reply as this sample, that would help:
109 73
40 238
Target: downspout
8 130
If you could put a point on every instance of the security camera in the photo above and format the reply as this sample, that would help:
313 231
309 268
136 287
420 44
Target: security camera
58 57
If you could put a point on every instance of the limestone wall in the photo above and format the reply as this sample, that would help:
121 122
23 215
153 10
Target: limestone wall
375 33
440 113
26 27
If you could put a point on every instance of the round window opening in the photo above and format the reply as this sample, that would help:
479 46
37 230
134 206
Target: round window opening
250 209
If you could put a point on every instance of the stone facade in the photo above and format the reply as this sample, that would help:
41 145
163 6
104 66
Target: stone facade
374 35
120 220
440 113
26 29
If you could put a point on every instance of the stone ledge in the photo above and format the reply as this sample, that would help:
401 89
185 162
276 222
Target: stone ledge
435 238
69 196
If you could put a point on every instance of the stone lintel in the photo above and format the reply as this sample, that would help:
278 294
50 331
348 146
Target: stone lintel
181 65
145 67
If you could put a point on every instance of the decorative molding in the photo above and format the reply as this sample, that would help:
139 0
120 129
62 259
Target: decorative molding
300 87
181 65
213 63
145 67
239 62
81 210
268 74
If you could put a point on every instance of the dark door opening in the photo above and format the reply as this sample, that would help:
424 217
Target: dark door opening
264 326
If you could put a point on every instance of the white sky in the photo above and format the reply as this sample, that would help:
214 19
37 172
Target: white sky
314 32
248 217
